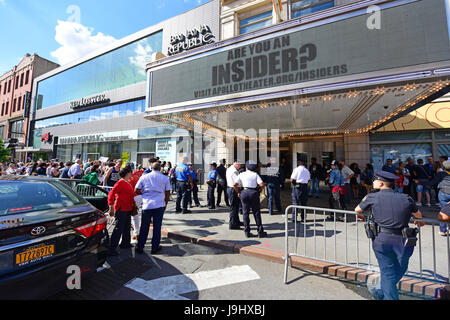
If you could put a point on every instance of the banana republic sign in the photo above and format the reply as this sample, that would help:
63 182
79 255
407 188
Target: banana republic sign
291 59
193 38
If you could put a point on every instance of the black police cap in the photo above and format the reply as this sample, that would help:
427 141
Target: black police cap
385 176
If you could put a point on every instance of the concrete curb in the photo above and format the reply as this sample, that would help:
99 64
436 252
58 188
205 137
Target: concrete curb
408 285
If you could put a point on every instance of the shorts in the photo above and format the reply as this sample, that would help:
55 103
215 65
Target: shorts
422 188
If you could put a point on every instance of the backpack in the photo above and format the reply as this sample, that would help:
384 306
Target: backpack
444 185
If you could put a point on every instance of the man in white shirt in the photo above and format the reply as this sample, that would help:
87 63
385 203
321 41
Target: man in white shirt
299 179
155 190
250 181
75 170
348 174
232 176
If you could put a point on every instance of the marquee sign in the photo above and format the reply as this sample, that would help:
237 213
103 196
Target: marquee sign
193 38
87 102
100 137
412 34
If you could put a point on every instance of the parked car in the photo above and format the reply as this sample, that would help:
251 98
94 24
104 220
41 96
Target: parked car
45 227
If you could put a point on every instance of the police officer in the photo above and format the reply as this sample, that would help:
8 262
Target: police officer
250 181
299 179
184 185
195 187
212 182
273 181
232 175
222 183
391 213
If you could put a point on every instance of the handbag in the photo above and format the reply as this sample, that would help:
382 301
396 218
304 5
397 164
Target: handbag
135 210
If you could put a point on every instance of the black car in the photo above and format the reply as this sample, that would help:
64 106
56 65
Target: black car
45 227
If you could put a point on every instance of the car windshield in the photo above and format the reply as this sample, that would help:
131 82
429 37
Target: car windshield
28 196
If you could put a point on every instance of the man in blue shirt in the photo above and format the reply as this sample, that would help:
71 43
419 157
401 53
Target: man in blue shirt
212 182
184 185
195 187
388 167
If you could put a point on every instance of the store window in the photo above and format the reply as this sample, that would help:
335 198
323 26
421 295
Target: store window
304 7
17 129
115 111
119 68
398 152
444 149
256 22
147 146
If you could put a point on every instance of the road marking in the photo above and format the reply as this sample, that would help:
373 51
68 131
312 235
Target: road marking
170 288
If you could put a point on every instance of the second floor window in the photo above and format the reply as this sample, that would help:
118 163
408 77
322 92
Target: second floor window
27 76
303 7
255 22
21 80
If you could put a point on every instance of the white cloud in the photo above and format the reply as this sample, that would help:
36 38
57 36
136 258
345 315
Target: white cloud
77 41
143 55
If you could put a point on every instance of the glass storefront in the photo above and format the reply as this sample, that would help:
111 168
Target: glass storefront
114 111
115 69
398 152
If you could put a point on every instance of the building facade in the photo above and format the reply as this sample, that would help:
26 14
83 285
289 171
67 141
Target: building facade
15 100
94 107
329 75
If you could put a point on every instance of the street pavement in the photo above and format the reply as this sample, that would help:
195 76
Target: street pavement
179 259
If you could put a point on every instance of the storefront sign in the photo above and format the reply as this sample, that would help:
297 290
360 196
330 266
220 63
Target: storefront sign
191 39
166 150
100 137
412 34
87 102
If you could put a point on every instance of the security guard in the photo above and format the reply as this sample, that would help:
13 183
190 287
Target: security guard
299 179
273 181
212 183
393 241
232 175
184 185
195 186
250 181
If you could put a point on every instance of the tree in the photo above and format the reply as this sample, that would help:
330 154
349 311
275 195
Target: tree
5 153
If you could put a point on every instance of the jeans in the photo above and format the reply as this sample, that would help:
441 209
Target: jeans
393 259
314 185
273 193
147 216
444 198
121 230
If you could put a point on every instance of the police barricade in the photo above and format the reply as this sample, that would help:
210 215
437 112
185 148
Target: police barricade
341 239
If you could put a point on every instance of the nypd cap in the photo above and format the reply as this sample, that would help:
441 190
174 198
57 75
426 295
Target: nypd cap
251 165
385 176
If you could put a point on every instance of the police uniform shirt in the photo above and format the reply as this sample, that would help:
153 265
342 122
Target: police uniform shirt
193 175
232 175
183 172
301 175
390 209
249 179
212 175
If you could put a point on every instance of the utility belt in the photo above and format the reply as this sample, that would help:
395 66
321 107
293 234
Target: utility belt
409 234
211 183
298 185
256 189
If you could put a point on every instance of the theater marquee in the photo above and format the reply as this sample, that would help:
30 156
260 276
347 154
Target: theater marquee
411 34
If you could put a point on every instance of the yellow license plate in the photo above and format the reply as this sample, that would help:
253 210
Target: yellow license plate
34 254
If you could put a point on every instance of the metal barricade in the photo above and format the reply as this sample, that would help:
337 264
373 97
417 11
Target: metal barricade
344 236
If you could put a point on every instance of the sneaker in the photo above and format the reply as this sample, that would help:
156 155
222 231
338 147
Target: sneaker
418 204
444 234
428 205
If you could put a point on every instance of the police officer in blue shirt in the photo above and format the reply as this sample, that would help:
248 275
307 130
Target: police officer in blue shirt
184 185
393 241
212 183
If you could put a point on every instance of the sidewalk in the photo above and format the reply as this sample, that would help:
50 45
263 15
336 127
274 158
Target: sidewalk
316 239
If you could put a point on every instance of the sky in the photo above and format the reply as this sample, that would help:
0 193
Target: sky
65 30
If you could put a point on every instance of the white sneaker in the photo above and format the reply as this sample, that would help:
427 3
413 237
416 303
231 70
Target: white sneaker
428 205
418 204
